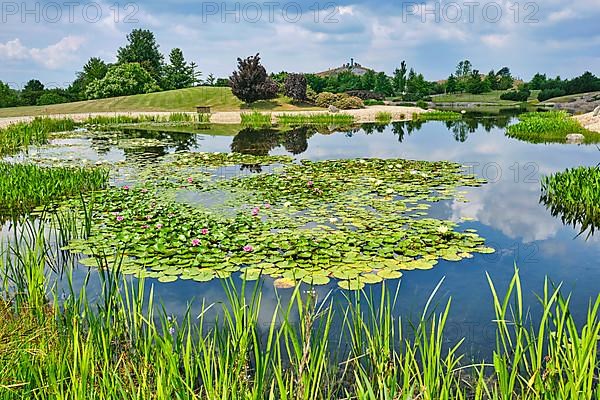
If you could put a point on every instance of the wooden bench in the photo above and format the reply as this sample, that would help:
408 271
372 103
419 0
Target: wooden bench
203 109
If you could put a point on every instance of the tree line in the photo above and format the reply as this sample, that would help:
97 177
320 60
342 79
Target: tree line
141 68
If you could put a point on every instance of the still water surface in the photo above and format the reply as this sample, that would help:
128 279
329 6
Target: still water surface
506 212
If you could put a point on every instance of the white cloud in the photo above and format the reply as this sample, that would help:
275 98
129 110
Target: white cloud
496 40
346 10
52 57
13 50
561 15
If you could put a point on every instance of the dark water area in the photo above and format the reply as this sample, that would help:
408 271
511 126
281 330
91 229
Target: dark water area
506 212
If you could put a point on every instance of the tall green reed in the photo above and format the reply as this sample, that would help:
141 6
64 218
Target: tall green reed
124 345
24 134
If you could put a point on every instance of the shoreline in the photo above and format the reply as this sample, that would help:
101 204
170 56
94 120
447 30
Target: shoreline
363 115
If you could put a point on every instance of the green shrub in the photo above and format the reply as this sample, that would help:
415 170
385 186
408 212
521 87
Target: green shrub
345 102
122 80
51 98
340 100
547 94
366 94
422 104
513 95
374 102
325 99
311 95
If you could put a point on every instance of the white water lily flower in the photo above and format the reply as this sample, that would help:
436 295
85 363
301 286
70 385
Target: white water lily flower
443 229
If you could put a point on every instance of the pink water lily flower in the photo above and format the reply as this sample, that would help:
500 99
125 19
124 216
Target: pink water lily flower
159 226
145 226
248 249
267 206
255 211
195 242
310 183
120 218
190 179
204 231
125 187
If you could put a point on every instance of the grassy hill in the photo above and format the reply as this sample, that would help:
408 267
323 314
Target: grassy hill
574 97
220 99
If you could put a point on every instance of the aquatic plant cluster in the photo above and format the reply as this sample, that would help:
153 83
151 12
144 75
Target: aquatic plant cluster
574 196
437 115
315 119
383 117
549 127
23 187
256 119
309 222
147 118
261 120
35 132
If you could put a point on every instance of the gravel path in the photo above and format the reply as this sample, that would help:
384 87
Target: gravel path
233 117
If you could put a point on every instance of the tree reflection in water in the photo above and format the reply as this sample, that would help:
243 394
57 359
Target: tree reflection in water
260 142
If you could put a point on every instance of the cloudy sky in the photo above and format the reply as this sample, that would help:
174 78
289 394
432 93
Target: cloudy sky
50 41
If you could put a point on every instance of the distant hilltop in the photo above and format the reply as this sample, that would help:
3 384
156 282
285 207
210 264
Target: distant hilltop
352 66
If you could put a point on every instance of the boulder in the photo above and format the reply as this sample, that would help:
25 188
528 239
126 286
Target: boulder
333 109
575 138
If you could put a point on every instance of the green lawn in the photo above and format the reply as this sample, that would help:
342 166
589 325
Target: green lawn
490 97
220 99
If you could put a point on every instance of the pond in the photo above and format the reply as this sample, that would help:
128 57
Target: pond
506 211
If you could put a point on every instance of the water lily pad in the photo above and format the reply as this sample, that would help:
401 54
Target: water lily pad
353 284
370 278
316 280
284 283
389 274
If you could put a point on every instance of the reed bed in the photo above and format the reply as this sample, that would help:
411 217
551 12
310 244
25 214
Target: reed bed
551 126
315 119
256 119
24 134
574 196
148 118
383 117
437 115
24 187
126 346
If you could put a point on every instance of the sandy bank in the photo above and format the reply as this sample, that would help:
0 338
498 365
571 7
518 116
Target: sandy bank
234 117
